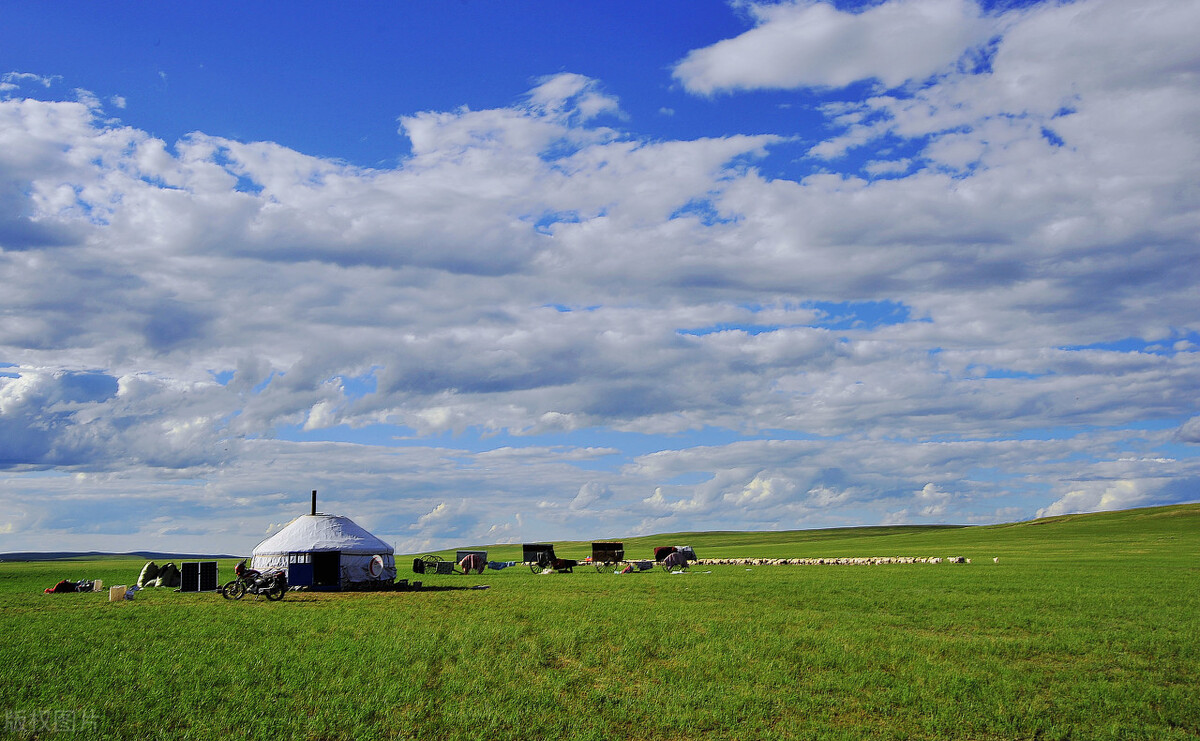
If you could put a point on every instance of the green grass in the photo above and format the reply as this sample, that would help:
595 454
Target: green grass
1087 628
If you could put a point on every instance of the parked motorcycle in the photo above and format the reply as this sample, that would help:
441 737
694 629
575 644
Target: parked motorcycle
273 584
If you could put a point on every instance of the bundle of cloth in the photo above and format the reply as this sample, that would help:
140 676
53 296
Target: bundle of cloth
67 587
675 560
472 562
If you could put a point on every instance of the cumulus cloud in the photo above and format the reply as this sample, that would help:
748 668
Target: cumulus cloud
1098 498
813 44
763 490
1190 431
590 494
932 501
444 519
572 95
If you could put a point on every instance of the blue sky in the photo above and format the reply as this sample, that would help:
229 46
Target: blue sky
488 272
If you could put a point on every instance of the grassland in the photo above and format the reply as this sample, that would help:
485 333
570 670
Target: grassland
1088 627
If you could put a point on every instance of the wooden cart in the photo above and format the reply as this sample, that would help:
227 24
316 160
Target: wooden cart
607 556
540 557
432 564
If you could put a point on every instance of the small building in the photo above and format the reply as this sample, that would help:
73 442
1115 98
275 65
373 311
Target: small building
327 552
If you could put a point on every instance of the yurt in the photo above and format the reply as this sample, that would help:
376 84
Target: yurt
327 552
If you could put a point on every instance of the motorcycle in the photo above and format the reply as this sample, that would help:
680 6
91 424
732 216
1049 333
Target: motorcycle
273 584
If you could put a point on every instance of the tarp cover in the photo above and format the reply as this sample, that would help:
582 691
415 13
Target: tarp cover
325 533
148 575
168 576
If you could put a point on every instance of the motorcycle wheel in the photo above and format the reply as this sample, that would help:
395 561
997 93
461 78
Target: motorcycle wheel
275 593
234 590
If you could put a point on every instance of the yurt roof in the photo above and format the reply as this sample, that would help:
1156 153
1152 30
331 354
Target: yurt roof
319 532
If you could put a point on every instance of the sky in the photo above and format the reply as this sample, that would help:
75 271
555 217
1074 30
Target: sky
512 272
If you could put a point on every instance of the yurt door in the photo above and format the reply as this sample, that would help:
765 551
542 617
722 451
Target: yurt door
327 570
300 570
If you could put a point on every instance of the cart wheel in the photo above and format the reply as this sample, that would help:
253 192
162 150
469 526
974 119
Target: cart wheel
602 567
431 561
534 567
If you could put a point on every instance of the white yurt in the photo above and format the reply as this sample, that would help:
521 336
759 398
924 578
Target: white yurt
327 552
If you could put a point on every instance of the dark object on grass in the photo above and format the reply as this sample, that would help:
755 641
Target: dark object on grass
168 576
607 556
431 564
198 576
540 557
63 587
661 552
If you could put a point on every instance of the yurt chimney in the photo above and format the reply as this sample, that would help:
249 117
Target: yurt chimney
314 501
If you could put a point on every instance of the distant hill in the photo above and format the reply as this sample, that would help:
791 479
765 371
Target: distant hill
1177 524
148 555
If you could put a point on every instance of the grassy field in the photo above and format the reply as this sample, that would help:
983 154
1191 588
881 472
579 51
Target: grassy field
1087 628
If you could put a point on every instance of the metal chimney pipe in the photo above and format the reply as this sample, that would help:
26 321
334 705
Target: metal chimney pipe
314 502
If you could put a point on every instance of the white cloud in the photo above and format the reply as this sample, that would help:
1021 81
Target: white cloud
763 490
10 81
933 501
825 496
1190 431
812 44
590 494
1100 497
572 95
442 515
888 167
